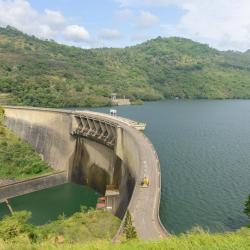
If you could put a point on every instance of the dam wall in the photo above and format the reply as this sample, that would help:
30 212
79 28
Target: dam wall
48 132
93 165
97 150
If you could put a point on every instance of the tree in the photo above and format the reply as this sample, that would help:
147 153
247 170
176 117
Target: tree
247 207
129 229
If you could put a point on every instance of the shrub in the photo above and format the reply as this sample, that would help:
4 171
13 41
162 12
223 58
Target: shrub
129 229
16 225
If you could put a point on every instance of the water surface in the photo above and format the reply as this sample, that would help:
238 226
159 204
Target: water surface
204 151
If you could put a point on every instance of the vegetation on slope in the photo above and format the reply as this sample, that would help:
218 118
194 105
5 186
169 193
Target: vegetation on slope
95 229
44 73
82 227
17 159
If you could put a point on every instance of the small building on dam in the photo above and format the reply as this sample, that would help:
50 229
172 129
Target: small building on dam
109 154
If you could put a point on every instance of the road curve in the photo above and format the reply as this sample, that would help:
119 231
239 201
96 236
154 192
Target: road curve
145 202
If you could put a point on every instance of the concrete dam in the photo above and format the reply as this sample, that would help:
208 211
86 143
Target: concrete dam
98 150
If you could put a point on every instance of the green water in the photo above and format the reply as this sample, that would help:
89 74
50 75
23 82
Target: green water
46 205
204 151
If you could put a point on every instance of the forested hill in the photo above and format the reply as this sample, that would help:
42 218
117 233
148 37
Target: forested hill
44 73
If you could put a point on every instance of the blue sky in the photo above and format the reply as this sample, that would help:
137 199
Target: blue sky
223 24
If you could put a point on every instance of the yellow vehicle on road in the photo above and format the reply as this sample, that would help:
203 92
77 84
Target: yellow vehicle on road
145 182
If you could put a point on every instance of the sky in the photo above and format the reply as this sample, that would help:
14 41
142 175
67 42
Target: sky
222 24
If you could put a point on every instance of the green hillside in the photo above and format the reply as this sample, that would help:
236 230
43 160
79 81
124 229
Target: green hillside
44 73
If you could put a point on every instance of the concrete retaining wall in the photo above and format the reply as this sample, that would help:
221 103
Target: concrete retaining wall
31 185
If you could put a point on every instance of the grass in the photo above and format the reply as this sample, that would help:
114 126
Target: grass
94 230
84 227
17 158
195 240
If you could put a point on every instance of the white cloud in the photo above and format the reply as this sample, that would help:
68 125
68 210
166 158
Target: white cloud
19 14
147 20
49 24
76 33
224 24
110 34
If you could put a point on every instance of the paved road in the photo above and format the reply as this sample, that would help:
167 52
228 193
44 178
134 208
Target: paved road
145 202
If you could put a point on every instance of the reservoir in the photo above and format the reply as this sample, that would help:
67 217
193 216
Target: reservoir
48 204
204 151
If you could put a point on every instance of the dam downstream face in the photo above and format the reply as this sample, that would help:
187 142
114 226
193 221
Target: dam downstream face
84 173
204 153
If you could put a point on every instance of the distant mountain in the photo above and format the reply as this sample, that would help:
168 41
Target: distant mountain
45 73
